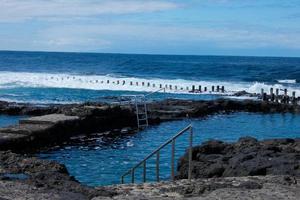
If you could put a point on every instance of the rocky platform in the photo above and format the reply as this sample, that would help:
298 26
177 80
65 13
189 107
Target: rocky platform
247 157
57 123
238 188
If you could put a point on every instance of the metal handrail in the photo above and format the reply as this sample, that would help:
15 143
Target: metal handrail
164 89
137 96
157 151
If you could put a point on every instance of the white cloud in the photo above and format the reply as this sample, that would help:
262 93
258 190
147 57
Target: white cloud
19 10
104 36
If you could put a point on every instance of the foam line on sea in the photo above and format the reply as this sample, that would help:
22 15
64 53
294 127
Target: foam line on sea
99 82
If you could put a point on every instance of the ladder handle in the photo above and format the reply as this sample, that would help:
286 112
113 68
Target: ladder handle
132 176
144 172
190 154
157 166
173 161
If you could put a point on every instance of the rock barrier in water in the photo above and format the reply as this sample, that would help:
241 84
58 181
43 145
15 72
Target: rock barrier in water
57 123
48 130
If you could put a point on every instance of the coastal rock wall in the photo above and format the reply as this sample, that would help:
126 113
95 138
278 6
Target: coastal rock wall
46 130
168 109
247 157
96 117
178 109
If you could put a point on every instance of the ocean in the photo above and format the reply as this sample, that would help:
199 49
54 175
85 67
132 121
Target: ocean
42 78
46 77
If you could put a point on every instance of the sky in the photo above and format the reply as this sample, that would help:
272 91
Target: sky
192 27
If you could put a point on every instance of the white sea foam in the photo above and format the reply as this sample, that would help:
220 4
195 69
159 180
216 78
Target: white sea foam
290 81
98 82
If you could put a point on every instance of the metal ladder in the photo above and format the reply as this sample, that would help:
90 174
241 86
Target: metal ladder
141 107
141 111
156 152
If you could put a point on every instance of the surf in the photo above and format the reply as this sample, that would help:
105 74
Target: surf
124 83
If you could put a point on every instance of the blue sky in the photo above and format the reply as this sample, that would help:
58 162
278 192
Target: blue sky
198 27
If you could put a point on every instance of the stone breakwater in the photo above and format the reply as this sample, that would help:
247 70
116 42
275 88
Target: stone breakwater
247 157
57 123
51 129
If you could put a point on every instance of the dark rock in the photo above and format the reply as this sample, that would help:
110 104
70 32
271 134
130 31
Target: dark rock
45 175
246 157
241 93
100 117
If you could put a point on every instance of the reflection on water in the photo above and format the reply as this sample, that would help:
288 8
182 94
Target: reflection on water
101 160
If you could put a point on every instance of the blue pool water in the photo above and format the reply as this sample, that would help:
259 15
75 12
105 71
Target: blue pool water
101 161
6 120
44 77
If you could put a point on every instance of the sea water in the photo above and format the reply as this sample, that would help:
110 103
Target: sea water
43 77
7 120
101 160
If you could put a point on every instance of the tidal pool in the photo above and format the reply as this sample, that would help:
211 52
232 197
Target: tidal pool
7 120
99 160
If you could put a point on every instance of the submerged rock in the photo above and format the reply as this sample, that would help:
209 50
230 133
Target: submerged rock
246 157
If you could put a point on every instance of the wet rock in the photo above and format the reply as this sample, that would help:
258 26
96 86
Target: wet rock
246 157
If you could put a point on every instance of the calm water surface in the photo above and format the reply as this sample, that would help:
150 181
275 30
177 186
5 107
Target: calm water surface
102 161
6 120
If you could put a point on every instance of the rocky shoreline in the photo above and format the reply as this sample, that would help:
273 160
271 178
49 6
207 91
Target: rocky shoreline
267 169
26 177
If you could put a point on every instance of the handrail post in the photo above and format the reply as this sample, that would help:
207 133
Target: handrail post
157 166
132 176
173 160
144 172
157 153
190 154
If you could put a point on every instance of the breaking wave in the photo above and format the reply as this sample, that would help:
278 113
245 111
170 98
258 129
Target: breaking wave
290 81
118 83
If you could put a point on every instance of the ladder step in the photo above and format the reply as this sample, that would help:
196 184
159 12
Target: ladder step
143 119
143 125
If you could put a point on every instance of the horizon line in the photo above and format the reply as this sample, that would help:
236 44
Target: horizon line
146 54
